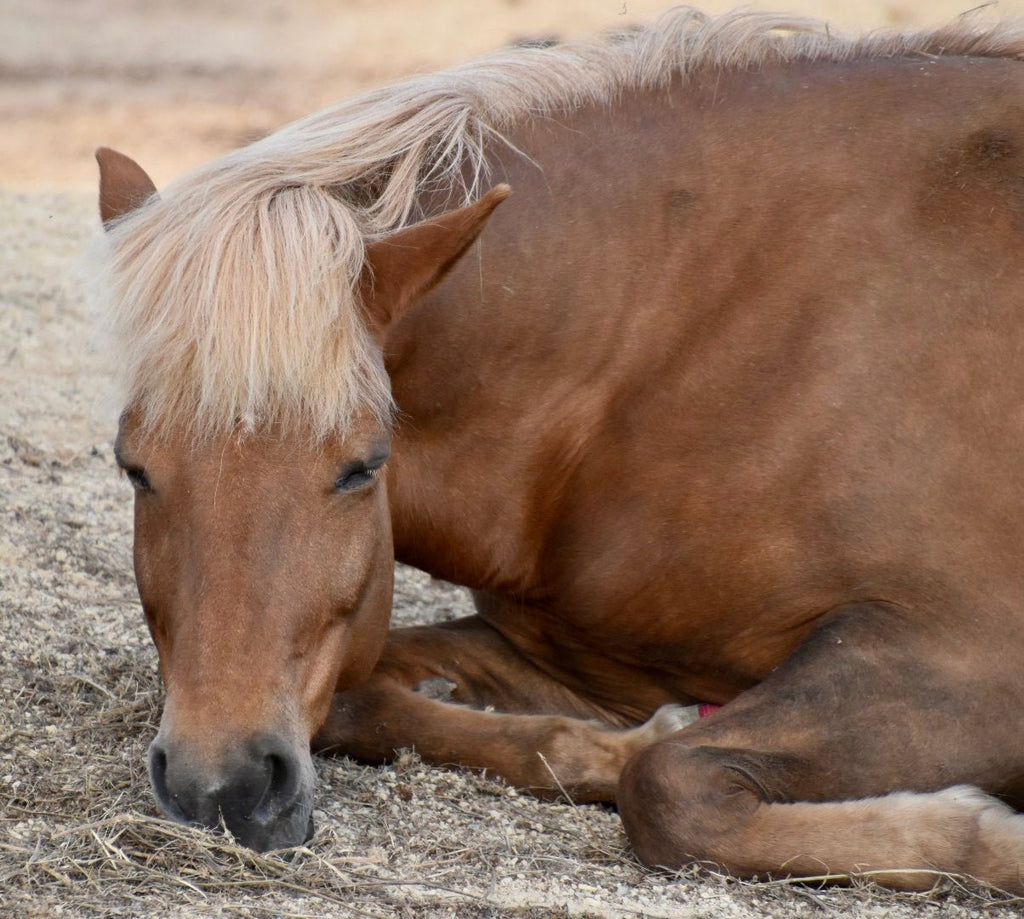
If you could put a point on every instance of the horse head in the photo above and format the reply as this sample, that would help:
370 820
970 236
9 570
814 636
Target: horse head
263 554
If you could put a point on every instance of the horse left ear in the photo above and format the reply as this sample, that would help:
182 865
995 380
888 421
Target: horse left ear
124 185
403 267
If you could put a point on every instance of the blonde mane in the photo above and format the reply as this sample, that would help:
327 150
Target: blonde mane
233 299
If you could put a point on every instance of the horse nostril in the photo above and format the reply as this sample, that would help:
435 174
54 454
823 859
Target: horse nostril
278 773
158 779
158 769
282 783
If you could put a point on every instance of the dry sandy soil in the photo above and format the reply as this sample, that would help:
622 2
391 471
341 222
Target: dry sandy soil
175 83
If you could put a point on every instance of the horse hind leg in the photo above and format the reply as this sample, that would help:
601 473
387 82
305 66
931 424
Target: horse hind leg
797 776
902 840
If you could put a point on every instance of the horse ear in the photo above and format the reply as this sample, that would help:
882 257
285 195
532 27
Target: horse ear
405 266
124 185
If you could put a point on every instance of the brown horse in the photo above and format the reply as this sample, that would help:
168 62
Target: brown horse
725 404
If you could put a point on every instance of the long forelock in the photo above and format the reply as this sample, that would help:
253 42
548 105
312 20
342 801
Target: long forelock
234 299
244 312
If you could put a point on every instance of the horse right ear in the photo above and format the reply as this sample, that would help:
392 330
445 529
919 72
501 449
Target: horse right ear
403 267
124 185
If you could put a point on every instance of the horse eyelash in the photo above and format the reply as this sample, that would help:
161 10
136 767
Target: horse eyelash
137 476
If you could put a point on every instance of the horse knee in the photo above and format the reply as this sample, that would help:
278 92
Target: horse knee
682 804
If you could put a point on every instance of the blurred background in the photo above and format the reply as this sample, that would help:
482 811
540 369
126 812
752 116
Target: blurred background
176 82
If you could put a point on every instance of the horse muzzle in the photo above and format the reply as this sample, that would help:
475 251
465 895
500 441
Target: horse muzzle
260 789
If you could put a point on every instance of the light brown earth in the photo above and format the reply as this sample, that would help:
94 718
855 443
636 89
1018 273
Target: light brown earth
175 83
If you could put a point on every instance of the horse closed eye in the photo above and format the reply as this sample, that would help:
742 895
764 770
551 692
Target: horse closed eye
137 477
357 477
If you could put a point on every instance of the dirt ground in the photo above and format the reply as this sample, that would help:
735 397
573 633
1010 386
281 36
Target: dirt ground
175 82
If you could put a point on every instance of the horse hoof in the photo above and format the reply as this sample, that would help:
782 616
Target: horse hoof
668 719
437 688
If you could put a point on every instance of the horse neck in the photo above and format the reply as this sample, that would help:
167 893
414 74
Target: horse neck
630 286
493 426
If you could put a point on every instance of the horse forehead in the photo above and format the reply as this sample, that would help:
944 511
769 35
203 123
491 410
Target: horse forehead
271 448
256 470
259 453
172 447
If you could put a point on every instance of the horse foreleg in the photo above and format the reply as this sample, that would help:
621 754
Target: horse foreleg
798 776
544 754
436 690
